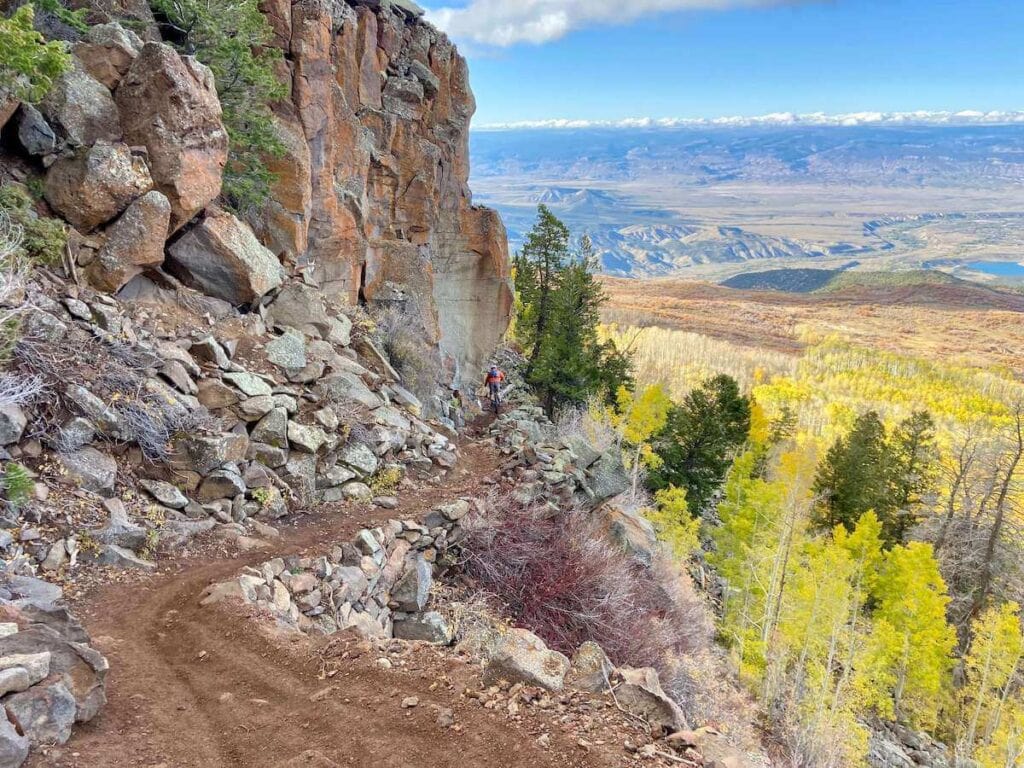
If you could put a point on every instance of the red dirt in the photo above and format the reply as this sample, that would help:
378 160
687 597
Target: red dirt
193 687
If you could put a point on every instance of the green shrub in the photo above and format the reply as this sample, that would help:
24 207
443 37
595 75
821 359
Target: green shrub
232 39
28 64
17 485
43 239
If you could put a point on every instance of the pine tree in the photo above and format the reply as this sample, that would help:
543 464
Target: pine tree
28 63
538 270
854 477
914 461
569 364
699 438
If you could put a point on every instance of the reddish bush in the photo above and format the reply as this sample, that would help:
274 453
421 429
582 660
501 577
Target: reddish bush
559 577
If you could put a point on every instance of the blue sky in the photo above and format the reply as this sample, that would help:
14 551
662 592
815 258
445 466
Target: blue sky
734 59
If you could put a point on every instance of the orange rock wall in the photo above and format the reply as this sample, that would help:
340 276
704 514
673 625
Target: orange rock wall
372 194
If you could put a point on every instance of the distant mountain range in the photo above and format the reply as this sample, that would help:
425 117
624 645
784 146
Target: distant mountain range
911 155
659 200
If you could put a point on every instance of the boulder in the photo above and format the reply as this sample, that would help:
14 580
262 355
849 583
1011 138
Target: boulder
94 185
134 241
90 470
429 627
305 438
80 109
288 351
203 454
607 477
8 106
13 746
120 530
342 385
591 668
519 656
215 394
272 429
412 591
44 712
221 484
222 257
640 693
120 557
107 51
12 424
299 305
168 103
631 531
358 457
250 384
34 133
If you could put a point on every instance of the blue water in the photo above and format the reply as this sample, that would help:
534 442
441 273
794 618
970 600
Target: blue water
999 268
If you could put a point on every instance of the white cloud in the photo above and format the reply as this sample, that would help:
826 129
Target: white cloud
919 117
508 22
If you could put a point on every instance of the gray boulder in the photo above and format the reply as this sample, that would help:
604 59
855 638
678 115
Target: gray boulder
81 108
45 713
298 306
607 477
222 257
591 668
360 458
165 493
34 133
640 692
12 424
13 746
519 656
412 591
90 470
288 351
272 429
428 627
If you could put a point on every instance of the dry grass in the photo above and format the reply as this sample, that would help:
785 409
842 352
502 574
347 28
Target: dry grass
954 323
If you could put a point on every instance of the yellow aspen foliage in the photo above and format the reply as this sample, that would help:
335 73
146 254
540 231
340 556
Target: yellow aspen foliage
639 418
905 671
672 520
1006 747
991 665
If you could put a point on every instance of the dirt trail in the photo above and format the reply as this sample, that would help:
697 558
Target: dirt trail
194 687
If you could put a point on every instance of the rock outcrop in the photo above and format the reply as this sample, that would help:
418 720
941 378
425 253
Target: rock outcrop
372 192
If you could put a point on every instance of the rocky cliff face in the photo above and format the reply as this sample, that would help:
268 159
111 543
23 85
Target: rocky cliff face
372 195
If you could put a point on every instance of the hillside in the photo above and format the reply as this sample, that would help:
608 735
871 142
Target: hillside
937 315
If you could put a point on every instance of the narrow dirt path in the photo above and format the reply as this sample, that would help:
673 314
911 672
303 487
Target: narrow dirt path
194 687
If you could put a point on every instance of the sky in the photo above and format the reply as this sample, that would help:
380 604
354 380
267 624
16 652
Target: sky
533 60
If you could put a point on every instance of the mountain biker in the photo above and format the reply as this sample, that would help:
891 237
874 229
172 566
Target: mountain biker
493 380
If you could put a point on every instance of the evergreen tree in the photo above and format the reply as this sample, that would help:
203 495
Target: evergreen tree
566 365
538 270
232 38
869 470
699 438
854 477
914 459
28 64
